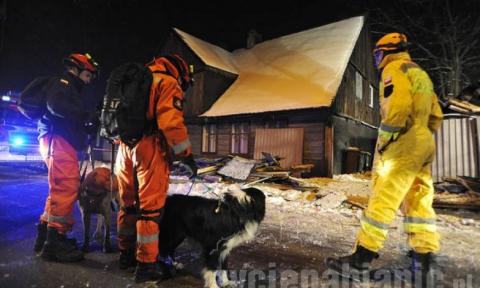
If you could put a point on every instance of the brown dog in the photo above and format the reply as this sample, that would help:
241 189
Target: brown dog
95 197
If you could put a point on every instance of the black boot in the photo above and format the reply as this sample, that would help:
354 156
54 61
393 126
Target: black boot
58 248
353 266
41 237
71 241
147 272
423 269
127 258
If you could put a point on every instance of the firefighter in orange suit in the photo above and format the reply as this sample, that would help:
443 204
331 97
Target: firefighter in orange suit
63 131
402 169
145 167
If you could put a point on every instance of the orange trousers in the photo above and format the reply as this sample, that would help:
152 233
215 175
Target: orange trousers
152 174
63 182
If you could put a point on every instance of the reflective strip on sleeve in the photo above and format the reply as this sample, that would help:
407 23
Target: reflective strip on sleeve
142 239
181 146
372 226
389 128
417 224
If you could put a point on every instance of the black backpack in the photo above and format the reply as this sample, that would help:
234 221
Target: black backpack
32 102
124 112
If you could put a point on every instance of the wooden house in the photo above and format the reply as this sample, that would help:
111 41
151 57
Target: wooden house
306 97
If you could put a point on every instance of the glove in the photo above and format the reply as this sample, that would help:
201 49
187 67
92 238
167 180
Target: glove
91 123
190 164
385 138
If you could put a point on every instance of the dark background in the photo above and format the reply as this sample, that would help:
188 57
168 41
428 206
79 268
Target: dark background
36 35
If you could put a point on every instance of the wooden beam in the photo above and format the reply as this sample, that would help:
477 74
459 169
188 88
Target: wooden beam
329 150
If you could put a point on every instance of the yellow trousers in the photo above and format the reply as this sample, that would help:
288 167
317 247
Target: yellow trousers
402 173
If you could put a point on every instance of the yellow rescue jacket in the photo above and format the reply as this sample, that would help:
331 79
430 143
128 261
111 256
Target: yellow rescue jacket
409 107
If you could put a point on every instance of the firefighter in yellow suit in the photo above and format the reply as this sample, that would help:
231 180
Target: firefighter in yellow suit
402 164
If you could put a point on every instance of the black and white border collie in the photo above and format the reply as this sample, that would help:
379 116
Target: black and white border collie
218 225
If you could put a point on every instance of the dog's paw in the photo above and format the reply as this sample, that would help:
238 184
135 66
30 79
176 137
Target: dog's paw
178 266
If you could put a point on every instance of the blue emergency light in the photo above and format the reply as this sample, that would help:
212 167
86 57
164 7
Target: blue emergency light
18 141
6 98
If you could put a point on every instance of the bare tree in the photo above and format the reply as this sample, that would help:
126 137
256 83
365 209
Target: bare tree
445 35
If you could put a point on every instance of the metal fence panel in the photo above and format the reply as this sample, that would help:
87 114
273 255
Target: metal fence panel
457 143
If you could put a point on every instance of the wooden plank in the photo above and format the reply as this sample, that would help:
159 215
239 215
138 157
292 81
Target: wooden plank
329 143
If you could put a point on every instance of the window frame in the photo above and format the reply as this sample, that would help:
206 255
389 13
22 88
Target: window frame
371 102
239 132
209 133
358 86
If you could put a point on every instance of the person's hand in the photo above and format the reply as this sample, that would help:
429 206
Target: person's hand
190 164
91 123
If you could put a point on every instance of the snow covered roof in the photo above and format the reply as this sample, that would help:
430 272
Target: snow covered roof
210 54
297 71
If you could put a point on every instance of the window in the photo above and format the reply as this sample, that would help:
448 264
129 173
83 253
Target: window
358 86
372 96
239 140
209 138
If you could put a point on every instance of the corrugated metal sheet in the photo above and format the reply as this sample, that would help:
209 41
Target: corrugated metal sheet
457 147
285 142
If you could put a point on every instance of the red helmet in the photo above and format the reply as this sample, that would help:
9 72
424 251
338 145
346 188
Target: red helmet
82 62
184 71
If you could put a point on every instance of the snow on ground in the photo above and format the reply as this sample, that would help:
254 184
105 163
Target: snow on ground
318 223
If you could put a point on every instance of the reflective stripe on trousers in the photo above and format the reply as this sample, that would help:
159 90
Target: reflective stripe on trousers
61 219
63 182
418 225
376 229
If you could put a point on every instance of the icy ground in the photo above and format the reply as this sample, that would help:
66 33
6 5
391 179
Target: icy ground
300 230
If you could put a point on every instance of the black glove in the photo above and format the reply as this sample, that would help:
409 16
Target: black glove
190 164
91 123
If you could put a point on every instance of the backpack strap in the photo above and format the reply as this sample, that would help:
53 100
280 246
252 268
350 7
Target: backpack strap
153 127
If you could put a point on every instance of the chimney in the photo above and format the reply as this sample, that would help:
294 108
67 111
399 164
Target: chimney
253 38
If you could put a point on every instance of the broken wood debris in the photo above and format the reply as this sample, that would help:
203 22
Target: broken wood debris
459 193
270 176
463 106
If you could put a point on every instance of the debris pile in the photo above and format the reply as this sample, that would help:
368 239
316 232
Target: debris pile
461 193
462 106
217 176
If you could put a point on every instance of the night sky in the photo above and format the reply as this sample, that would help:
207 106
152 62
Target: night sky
38 34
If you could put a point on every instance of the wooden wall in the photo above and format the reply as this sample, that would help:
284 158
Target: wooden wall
349 133
346 102
312 122
195 135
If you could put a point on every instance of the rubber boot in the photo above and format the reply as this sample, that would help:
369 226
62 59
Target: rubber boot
71 241
147 272
127 259
423 270
41 237
58 248
355 266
